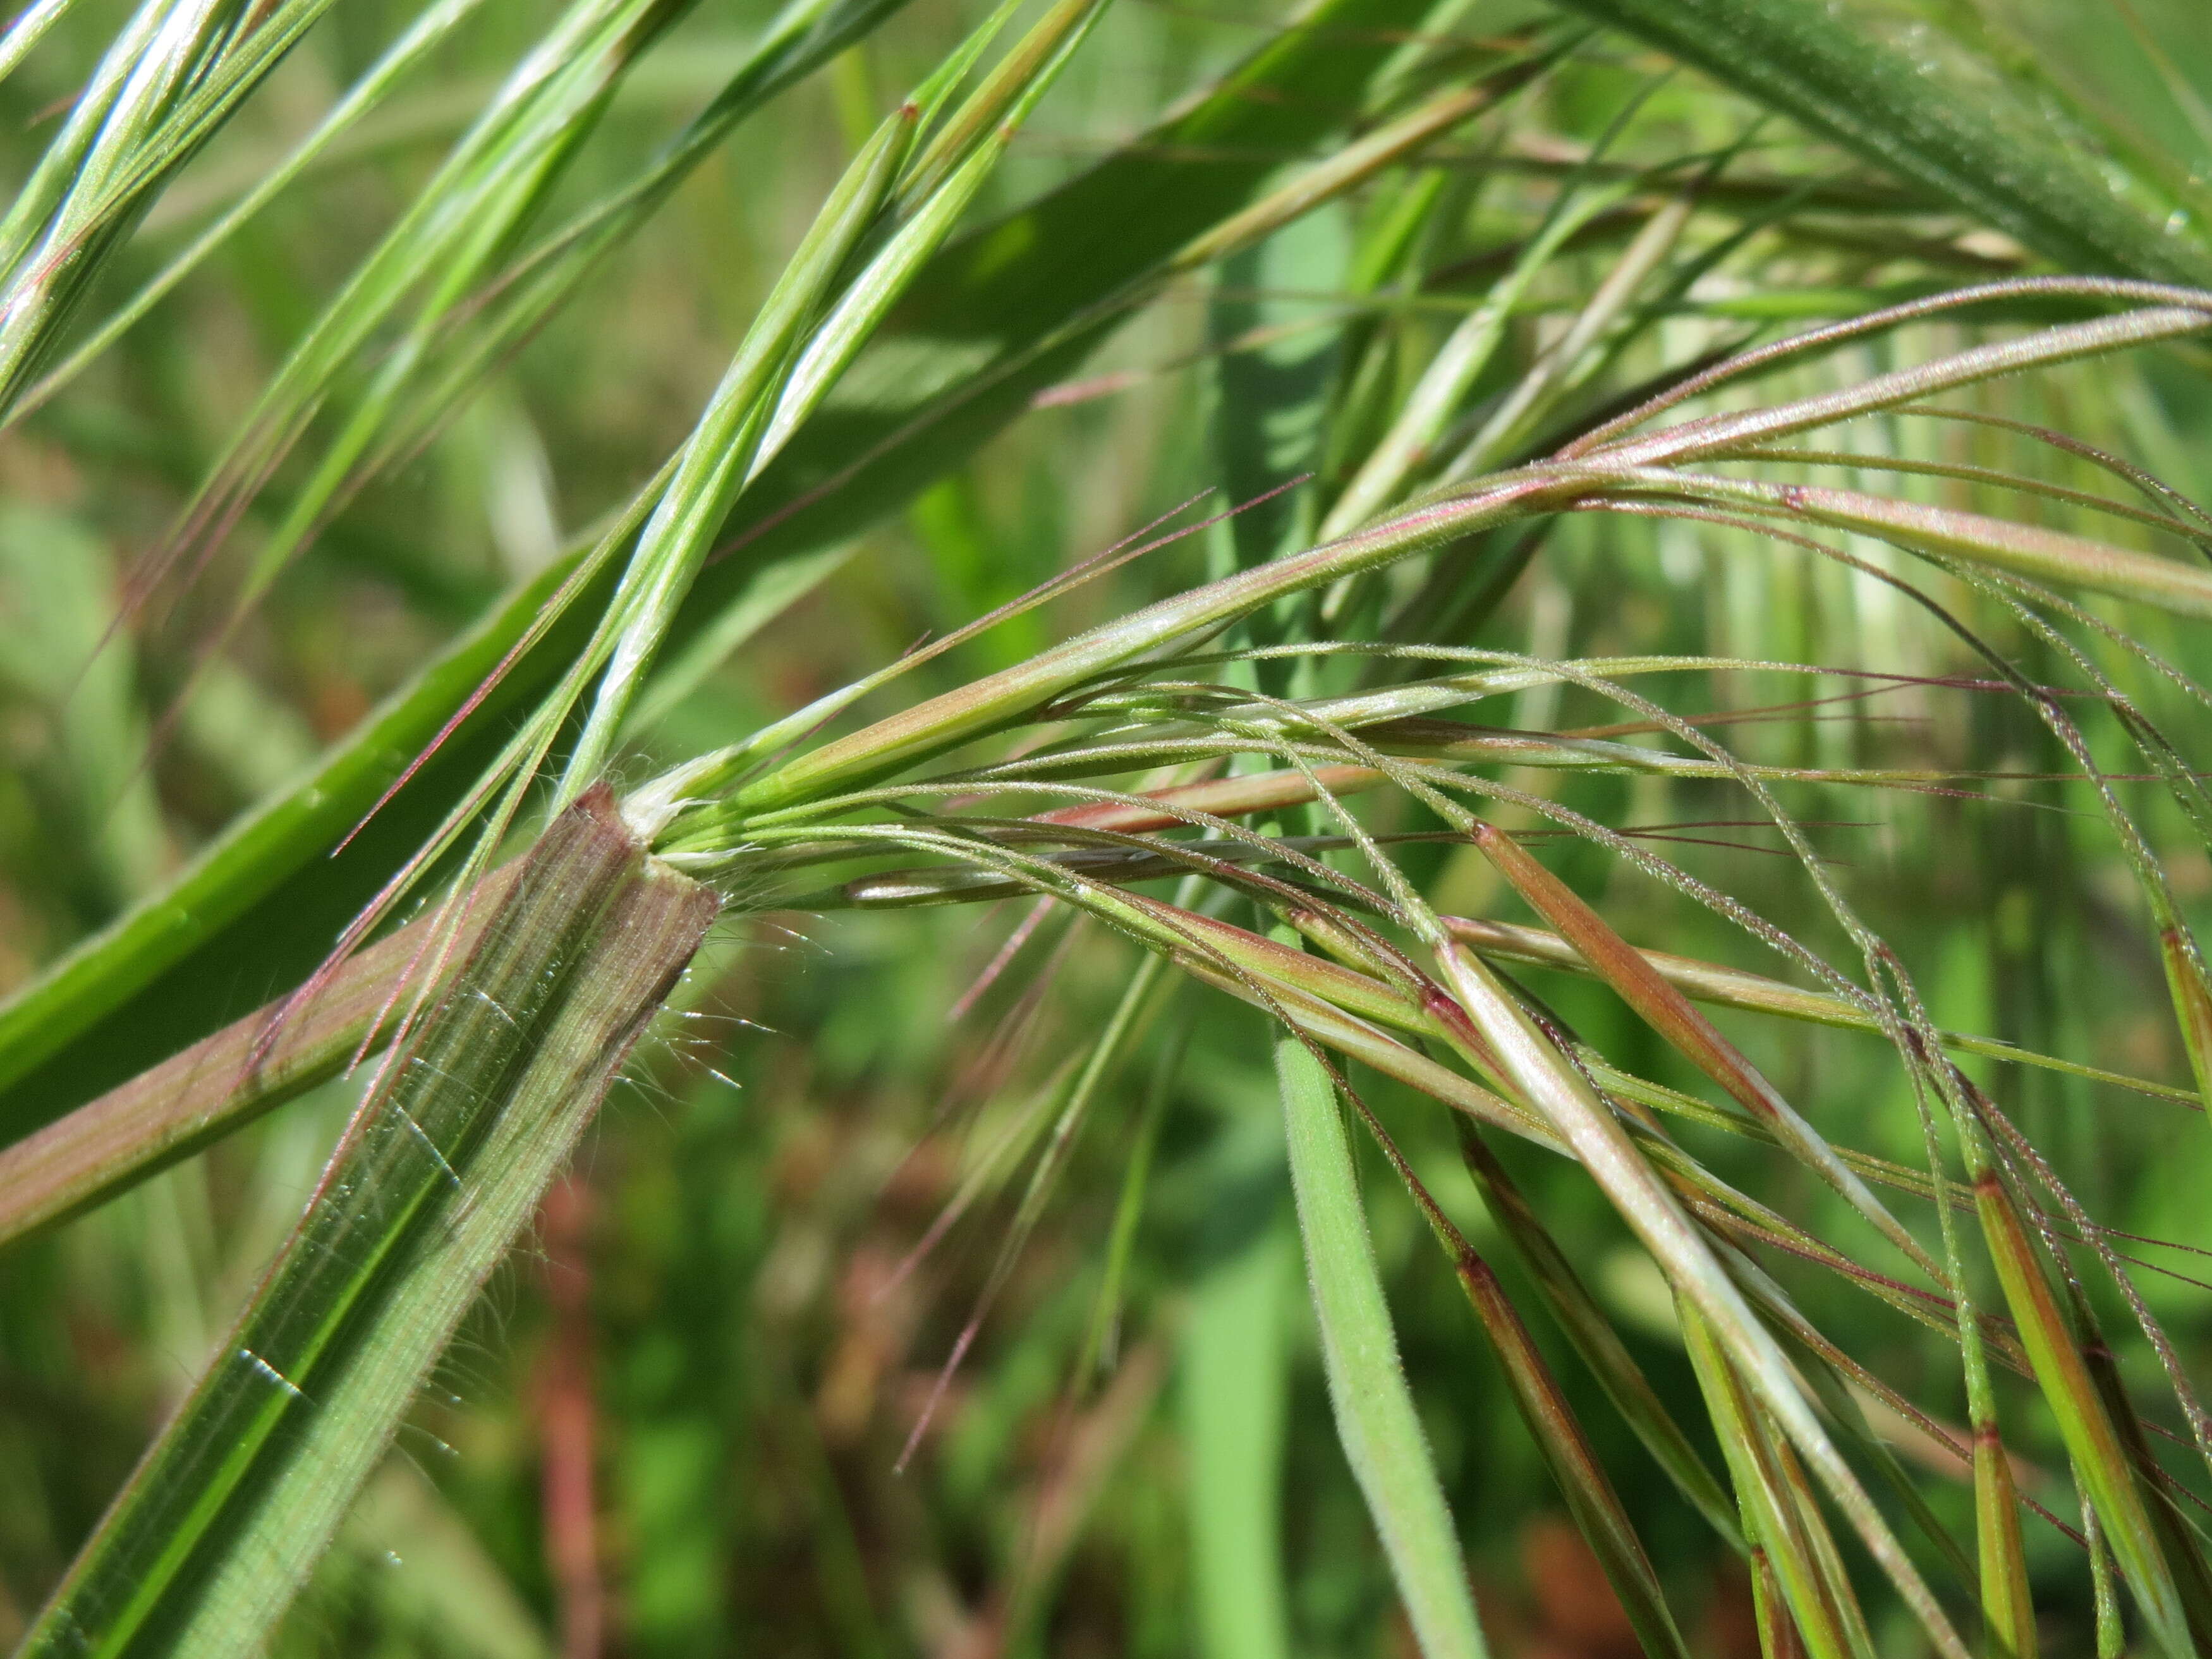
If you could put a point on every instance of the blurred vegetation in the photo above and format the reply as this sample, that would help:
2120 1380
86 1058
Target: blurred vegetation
679 1423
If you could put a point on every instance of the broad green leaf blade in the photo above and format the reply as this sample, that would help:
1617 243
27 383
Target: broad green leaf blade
440 1169
1376 1421
1816 64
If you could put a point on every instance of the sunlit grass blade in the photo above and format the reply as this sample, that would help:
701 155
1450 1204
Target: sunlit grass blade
715 457
2027 549
1669 1013
1732 988
1815 66
172 77
264 903
1605 1150
441 1166
1375 1417
431 26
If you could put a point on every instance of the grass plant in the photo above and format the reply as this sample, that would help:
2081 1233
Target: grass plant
921 691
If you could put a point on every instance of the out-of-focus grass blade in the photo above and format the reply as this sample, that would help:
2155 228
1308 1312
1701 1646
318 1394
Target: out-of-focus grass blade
1813 64
1235 1383
171 77
448 1580
58 655
440 1167
1375 1417
431 26
1435 401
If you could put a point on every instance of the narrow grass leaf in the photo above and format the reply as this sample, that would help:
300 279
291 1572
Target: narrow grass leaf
1376 1421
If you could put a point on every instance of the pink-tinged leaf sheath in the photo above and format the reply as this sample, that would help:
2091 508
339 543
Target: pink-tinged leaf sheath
440 1167
2022 550
222 1082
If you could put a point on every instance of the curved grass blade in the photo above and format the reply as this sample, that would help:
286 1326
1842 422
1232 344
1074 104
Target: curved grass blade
1669 1012
171 78
1732 988
1619 1168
